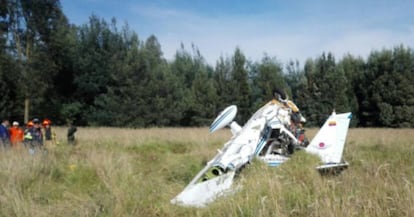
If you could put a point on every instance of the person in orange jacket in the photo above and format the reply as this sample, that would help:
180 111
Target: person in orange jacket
16 134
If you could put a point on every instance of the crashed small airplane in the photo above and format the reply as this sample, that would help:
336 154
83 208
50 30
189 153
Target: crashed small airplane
267 137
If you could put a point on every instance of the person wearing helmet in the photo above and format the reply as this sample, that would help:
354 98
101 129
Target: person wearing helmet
34 136
29 124
48 133
16 134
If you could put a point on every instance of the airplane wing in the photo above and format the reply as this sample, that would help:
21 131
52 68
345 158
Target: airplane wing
202 190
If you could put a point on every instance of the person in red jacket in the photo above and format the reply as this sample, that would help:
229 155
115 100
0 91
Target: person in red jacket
16 134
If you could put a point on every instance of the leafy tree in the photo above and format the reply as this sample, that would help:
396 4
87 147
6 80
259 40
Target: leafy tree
7 67
184 65
241 91
8 108
126 91
404 75
163 93
200 92
325 90
32 25
62 51
223 82
111 108
390 94
354 68
99 48
308 92
204 95
295 78
378 64
267 75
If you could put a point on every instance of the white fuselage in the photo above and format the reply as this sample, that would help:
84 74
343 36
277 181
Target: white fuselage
247 140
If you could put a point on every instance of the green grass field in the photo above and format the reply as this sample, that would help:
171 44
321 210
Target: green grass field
127 172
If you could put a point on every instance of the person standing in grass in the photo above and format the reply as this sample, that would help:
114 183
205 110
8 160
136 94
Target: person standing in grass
16 134
71 134
34 136
48 133
4 134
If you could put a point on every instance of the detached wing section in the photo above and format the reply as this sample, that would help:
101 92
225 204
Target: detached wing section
202 193
329 142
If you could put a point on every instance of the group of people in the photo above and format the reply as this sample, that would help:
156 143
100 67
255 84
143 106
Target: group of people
34 134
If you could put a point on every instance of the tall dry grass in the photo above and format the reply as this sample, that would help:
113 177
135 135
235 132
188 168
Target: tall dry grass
135 172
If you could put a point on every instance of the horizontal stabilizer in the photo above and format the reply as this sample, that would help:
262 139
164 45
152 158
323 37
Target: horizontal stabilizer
332 169
224 118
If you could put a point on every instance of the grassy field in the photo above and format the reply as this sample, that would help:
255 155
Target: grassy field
127 172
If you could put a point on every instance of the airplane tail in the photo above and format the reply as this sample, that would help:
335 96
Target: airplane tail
329 142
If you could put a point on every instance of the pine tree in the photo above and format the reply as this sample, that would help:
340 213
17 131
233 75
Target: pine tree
240 86
32 25
353 69
268 75
325 90
223 82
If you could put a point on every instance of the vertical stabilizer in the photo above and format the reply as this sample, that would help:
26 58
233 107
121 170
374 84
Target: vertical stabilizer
329 142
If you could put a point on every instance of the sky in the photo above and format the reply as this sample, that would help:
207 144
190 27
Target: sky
286 30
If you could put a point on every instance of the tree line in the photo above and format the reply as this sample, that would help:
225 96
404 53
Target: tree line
100 74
